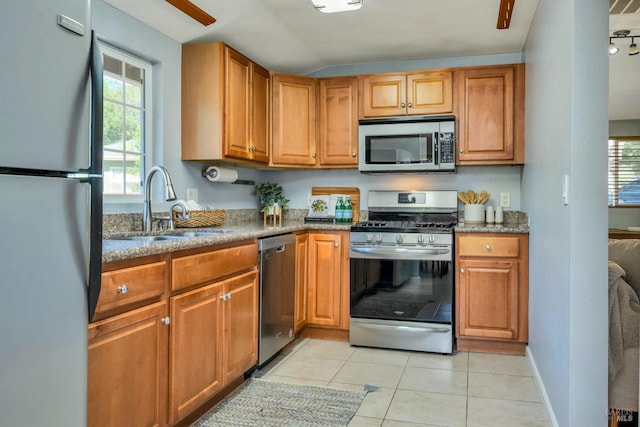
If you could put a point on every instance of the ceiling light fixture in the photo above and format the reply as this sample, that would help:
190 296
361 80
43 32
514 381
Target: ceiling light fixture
332 6
623 34
633 48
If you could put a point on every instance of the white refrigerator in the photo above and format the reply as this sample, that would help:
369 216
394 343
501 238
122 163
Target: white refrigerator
50 209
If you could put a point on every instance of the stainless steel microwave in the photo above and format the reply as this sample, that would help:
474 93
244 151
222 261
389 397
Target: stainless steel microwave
407 144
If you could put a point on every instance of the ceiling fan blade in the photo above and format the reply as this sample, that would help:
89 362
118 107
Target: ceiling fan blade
193 11
504 14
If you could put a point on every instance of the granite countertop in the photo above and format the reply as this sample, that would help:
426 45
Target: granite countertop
507 227
117 250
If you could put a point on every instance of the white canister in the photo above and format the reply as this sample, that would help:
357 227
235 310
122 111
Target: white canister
499 215
473 213
490 215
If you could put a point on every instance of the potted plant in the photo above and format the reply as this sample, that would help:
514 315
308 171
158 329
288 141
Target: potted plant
271 197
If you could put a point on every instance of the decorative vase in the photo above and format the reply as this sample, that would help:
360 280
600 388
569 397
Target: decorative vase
474 213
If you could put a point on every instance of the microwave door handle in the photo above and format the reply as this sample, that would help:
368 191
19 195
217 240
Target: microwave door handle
436 148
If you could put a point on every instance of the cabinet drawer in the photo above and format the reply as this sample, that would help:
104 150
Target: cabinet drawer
195 269
489 246
130 285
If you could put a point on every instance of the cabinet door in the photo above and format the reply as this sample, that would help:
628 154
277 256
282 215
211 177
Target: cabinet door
324 280
302 250
487 299
127 369
430 92
260 123
490 114
196 367
339 122
294 121
383 95
240 330
237 104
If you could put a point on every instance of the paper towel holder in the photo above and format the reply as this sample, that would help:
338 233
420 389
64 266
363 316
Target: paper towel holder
213 173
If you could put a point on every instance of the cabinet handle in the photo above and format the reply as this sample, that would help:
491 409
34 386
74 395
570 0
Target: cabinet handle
410 105
488 247
123 289
462 271
165 320
353 154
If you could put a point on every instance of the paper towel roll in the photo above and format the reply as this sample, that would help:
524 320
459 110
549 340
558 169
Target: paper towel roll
218 174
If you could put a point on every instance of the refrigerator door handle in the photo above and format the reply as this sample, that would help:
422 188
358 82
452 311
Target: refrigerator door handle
94 177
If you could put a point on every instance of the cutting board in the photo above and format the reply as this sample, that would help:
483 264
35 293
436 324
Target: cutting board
354 192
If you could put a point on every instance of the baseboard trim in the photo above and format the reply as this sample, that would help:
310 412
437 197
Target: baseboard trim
541 389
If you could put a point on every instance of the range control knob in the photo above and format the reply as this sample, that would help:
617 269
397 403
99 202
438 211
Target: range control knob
399 238
369 238
379 237
421 239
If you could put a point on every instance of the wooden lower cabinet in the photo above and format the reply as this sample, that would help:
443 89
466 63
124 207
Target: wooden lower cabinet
328 280
127 368
492 292
300 312
214 340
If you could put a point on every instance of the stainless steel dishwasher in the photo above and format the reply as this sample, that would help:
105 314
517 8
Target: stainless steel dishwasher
277 294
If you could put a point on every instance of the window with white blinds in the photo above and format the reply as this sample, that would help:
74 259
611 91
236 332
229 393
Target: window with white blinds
624 171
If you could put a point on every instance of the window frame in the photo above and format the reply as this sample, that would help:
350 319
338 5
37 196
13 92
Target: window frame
616 174
146 151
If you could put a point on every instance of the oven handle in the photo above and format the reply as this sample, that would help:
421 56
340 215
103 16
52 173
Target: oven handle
442 330
399 253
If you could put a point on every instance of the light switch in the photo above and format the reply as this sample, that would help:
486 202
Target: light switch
192 194
505 200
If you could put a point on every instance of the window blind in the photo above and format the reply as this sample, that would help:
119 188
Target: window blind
624 171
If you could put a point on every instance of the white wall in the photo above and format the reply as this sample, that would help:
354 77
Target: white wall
566 124
298 184
621 218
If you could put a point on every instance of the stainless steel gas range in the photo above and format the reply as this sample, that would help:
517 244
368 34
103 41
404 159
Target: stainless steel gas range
402 275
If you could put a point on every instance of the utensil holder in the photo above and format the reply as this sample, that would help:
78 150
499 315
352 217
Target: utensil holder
474 213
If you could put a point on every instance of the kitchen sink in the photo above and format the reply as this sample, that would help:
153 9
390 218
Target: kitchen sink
151 238
200 233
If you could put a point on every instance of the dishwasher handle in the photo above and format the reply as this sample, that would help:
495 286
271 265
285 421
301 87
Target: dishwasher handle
279 248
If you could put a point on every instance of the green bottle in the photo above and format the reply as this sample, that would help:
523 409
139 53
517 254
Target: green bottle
348 211
339 216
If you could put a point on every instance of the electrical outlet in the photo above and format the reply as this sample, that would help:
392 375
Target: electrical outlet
192 194
505 200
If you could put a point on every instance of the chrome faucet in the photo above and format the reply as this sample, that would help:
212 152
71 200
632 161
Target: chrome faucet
169 194
184 213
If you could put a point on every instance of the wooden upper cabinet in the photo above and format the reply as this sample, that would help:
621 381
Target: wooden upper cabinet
225 105
490 114
294 121
420 93
338 122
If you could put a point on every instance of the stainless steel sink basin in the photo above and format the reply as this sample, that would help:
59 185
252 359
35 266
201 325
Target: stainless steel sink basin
200 233
150 238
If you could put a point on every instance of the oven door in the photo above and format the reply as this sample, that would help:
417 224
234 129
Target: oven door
397 301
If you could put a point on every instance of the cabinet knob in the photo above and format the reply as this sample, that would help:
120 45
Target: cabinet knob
402 104
462 150
353 154
336 244
313 155
410 105
223 297
229 295
462 271
165 320
123 289
488 247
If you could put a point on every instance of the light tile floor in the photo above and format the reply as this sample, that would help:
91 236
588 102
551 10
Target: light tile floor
418 389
